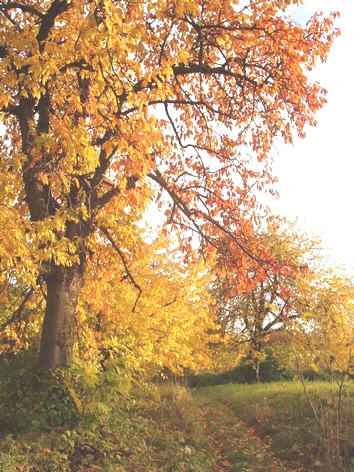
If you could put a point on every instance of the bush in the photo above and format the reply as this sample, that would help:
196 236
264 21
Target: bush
270 371
62 419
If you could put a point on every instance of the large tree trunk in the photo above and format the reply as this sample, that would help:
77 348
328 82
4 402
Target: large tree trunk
63 287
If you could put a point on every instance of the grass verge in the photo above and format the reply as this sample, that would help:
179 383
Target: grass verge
279 414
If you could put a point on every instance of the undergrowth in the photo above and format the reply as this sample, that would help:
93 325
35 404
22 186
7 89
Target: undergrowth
97 419
108 418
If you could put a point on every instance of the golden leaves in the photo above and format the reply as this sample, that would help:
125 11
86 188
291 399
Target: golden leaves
173 91
171 319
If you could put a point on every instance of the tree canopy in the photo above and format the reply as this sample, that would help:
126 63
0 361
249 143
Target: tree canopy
108 106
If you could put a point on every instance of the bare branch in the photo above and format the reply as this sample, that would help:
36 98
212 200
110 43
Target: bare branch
20 6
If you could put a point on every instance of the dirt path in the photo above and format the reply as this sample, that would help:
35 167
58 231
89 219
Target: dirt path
236 447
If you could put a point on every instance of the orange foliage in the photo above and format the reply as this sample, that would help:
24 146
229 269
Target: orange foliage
108 105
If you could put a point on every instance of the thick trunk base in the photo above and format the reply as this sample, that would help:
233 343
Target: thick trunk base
63 287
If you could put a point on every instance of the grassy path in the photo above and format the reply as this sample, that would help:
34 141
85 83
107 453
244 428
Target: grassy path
169 428
237 448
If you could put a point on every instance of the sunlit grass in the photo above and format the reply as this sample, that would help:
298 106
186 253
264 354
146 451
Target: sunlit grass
281 415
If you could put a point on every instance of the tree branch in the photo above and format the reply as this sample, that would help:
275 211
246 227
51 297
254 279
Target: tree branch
57 8
20 6
191 214
18 312
193 68
125 264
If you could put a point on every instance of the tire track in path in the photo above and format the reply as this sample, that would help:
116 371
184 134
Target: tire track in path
236 447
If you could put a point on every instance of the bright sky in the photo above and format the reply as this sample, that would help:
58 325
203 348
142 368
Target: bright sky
316 175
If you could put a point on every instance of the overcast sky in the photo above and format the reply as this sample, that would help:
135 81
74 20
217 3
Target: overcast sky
316 175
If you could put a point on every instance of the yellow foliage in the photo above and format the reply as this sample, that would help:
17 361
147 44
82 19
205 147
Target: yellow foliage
162 324
327 336
109 105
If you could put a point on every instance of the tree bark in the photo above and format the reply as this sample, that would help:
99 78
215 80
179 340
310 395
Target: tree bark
63 288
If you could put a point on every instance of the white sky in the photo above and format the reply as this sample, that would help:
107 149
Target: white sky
316 175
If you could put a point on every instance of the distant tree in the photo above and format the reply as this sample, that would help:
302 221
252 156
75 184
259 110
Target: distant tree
324 338
253 319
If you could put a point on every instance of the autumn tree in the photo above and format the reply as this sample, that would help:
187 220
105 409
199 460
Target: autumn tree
323 336
254 319
106 106
171 320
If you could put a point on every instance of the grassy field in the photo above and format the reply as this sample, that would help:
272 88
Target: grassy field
279 418
169 428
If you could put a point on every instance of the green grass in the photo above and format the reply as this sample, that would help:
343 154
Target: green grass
280 415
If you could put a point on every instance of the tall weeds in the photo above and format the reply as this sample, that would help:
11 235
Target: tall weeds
333 414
